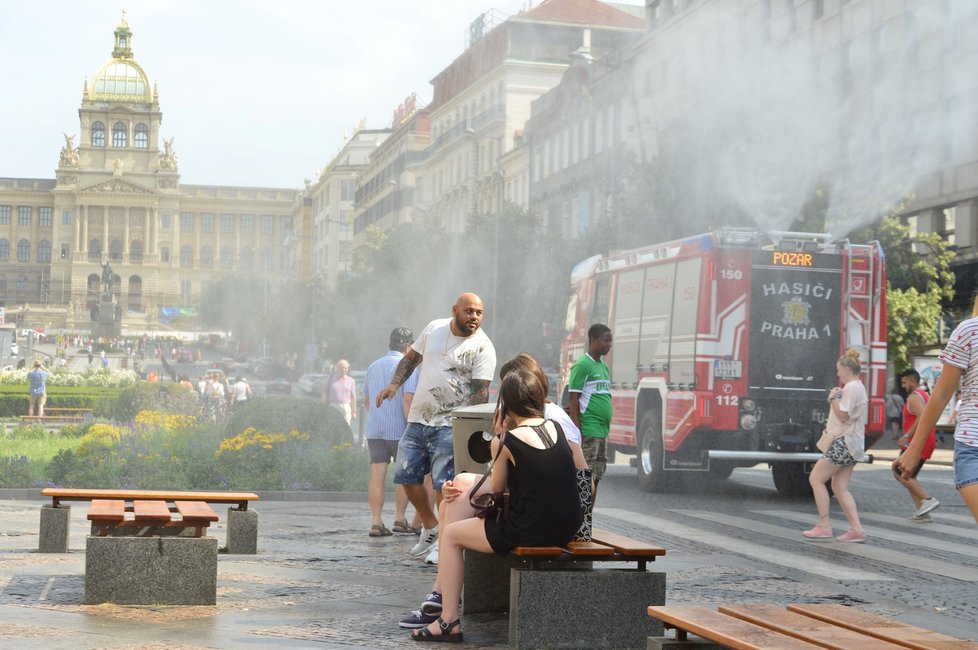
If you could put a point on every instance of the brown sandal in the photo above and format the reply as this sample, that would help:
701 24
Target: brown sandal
424 634
380 530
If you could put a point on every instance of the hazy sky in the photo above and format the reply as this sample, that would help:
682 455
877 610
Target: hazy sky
255 92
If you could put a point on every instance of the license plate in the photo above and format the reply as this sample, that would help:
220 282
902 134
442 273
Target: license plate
727 369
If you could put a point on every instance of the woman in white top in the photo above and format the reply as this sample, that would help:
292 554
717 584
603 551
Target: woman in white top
846 425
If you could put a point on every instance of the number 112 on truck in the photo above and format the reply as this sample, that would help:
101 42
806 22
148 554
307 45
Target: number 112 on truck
725 347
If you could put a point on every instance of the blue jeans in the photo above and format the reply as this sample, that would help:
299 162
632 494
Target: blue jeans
425 450
965 465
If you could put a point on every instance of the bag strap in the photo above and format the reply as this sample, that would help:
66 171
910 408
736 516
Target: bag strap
475 488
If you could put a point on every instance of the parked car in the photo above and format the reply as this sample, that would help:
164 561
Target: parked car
278 385
273 370
311 383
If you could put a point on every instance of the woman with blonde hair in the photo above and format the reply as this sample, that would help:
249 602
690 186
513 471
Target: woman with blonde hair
846 426
960 359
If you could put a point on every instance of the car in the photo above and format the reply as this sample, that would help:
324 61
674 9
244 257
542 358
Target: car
311 383
272 370
14 349
279 385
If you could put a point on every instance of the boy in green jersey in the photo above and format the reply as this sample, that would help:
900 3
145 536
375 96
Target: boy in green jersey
590 400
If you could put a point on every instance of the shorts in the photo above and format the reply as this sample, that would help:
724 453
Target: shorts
381 451
838 454
965 465
916 470
596 454
425 450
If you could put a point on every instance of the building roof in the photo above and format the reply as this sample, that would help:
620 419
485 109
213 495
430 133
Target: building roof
581 12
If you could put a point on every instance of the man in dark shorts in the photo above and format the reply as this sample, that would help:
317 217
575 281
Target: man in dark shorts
917 398
385 426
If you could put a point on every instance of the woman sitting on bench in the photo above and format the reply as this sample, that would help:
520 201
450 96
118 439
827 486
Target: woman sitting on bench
537 464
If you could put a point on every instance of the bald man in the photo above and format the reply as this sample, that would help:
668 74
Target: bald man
457 362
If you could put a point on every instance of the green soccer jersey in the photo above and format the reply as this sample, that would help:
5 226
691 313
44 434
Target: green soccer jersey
590 378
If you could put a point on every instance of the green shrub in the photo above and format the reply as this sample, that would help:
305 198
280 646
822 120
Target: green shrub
283 414
172 398
15 472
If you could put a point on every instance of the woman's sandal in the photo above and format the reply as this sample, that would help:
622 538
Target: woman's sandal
424 634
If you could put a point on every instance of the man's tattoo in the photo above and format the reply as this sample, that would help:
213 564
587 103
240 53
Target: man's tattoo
405 367
480 391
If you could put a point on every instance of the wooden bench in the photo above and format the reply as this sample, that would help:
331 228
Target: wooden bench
242 523
109 516
773 627
53 419
535 581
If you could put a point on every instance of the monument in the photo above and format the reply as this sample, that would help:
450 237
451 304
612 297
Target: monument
106 313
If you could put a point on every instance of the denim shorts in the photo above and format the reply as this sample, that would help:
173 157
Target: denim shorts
425 450
965 465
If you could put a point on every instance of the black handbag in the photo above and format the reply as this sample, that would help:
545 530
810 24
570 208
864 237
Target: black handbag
490 505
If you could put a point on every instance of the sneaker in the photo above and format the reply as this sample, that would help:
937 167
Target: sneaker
431 604
924 519
818 532
432 557
417 619
852 537
929 504
428 539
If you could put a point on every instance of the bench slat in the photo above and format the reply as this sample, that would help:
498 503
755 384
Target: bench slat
625 545
725 630
195 511
879 627
74 494
538 551
149 512
806 628
112 510
591 549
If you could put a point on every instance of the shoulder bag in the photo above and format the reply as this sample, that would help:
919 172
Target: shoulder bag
490 505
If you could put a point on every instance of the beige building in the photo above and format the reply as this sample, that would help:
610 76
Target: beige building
117 198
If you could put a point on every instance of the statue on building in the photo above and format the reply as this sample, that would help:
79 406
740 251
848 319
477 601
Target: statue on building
107 278
168 157
117 166
69 152
93 312
118 312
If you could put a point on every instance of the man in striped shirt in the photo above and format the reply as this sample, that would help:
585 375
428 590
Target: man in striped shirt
385 426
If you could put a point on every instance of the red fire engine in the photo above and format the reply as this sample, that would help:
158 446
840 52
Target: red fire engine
725 347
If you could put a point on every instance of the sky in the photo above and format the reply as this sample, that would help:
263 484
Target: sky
254 92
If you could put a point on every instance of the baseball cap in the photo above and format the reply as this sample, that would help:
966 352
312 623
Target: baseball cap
401 336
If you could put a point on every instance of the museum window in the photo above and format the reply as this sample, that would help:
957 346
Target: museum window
115 250
65 251
141 136
186 222
247 224
247 259
165 221
22 283
4 215
206 257
44 251
45 217
4 250
164 254
267 225
227 257
136 251
227 224
98 134
186 256
66 218
23 251
206 222
186 291
120 135
95 249
24 215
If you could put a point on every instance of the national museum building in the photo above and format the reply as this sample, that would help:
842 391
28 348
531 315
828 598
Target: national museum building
117 199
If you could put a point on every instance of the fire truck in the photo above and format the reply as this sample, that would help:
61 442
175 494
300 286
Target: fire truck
725 347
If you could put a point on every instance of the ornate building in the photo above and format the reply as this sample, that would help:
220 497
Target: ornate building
117 199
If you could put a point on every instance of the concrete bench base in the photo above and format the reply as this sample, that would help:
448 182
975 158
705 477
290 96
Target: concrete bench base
151 570
610 607
53 533
242 538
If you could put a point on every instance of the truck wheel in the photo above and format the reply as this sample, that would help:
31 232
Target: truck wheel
722 469
791 480
651 476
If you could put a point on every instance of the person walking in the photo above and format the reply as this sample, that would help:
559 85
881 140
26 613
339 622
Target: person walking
959 366
457 361
894 413
846 426
914 405
590 400
240 392
37 394
341 391
385 426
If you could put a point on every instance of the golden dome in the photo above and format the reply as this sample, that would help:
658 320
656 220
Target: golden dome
121 79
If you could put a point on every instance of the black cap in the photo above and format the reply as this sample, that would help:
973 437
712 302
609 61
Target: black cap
401 336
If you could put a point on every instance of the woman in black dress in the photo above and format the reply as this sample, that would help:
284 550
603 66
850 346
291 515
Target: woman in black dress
537 465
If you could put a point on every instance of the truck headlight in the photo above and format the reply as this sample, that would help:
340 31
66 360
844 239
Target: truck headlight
748 422
748 405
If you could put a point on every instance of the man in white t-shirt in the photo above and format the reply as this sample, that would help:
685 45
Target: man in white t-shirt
457 362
